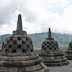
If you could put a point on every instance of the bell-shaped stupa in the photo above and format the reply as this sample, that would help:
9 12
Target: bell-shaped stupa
68 53
17 53
51 54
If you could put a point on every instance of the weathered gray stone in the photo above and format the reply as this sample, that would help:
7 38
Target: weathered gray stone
68 53
51 54
17 53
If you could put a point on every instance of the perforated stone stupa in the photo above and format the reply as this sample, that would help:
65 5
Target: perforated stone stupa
17 53
68 53
51 54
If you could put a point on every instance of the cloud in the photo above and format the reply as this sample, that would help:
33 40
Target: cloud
63 23
38 15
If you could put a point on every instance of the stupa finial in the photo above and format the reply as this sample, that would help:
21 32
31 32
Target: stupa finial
19 23
19 30
49 33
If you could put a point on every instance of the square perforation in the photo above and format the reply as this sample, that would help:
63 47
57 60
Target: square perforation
55 48
23 42
19 46
13 50
31 50
19 38
44 48
23 50
47 42
10 46
6 50
27 39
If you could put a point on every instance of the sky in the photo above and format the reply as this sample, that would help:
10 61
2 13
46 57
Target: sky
37 15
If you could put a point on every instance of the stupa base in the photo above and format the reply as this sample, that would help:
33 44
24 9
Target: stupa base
22 62
22 69
54 58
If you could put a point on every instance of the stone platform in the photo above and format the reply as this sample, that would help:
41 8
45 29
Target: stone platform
54 58
21 62
65 68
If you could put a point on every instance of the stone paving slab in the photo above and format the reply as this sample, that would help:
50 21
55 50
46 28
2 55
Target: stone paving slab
65 68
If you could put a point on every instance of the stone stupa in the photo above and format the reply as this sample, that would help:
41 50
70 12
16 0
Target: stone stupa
68 53
51 54
17 53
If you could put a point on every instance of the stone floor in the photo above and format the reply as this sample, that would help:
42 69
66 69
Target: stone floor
65 68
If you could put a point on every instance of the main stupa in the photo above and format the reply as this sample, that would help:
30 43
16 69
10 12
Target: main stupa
17 53
51 54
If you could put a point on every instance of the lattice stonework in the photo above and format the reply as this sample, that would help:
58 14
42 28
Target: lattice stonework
50 45
51 54
18 43
68 53
17 53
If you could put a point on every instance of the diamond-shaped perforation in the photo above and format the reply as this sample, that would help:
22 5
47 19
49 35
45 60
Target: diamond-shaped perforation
49 45
18 43
44 48
31 50
6 50
27 39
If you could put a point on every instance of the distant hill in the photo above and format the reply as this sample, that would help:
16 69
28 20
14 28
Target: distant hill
2 38
62 39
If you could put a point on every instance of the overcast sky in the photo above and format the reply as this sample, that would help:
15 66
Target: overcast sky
37 15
